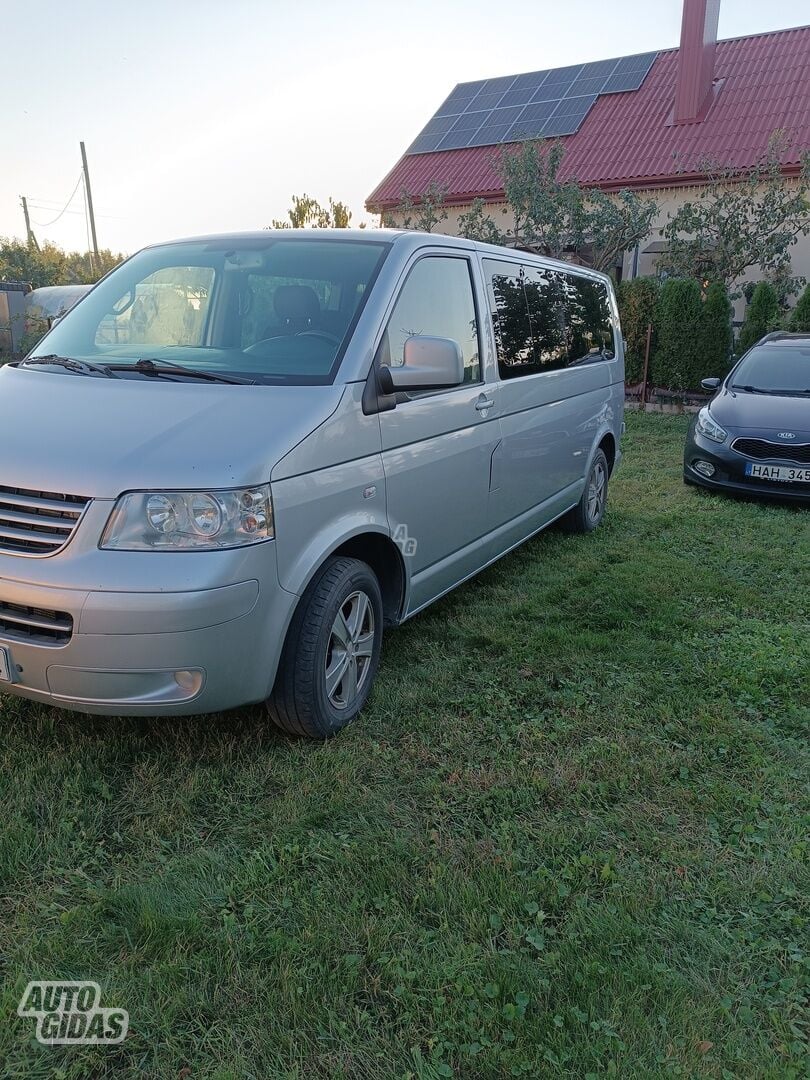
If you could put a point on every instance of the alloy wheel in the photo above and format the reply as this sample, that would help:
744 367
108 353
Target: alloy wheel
349 650
597 489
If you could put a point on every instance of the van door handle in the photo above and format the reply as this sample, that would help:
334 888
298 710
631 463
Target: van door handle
483 403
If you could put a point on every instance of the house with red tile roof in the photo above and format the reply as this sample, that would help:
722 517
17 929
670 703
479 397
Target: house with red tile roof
644 122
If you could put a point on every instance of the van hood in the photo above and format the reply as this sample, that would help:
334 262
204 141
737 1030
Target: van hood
96 437
740 411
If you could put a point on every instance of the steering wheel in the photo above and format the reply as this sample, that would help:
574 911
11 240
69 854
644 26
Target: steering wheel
256 346
320 334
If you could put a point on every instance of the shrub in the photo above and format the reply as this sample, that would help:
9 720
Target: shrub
713 355
761 317
678 331
799 318
637 300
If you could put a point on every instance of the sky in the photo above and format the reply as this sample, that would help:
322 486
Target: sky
203 116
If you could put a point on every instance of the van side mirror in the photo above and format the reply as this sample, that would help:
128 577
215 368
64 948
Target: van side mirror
430 363
710 384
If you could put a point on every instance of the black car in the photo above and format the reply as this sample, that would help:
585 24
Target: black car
754 435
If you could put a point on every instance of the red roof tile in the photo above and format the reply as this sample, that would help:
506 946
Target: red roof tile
627 139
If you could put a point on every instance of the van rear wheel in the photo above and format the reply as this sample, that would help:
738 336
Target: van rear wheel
589 511
331 653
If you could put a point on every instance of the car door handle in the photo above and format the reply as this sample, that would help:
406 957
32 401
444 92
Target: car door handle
483 403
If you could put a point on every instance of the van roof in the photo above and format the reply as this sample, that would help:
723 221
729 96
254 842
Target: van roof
407 238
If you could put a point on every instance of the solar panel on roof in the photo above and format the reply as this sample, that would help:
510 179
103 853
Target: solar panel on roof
455 140
518 97
490 134
504 83
586 86
423 144
574 106
439 125
617 83
471 121
536 104
639 62
554 88
486 100
541 110
531 78
597 67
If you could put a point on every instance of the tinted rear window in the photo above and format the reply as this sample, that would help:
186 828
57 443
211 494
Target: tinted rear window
546 319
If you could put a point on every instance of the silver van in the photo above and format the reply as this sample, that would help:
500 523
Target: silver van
312 435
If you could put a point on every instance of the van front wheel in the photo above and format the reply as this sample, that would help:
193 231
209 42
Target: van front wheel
590 509
331 653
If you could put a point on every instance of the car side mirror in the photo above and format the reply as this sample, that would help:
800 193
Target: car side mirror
710 384
429 363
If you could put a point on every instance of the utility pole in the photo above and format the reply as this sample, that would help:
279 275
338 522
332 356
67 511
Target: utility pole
29 235
89 201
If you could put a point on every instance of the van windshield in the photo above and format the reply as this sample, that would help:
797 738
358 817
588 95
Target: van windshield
274 309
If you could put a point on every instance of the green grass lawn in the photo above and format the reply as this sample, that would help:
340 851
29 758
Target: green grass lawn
568 838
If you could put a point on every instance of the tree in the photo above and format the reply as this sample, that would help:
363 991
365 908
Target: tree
785 284
712 353
50 265
799 319
557 217
637 305
614 224
678 323
307 212
340 213
547 212
477 225
761 317
424 213
739 220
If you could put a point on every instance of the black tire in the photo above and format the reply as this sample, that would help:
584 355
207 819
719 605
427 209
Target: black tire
587 514
301 703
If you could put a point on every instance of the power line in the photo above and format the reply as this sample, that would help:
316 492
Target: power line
82 213
47 224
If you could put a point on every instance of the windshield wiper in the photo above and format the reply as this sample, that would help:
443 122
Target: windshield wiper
147 366
762 390
83 367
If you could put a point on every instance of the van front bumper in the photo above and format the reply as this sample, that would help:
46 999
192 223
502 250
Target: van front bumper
147 653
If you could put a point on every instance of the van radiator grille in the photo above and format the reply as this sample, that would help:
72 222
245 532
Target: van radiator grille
769 451
37 625
37 522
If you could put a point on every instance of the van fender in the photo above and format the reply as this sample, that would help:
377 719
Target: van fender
295 577
606 426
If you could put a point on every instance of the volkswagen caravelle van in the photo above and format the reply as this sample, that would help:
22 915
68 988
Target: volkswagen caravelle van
239 457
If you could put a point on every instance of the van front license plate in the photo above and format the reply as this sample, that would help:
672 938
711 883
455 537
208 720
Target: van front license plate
5 665
787 473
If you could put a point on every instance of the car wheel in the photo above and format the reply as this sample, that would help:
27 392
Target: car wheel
590 509
331 653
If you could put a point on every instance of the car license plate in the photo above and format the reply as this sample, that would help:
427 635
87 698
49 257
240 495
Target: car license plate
5 666
787 473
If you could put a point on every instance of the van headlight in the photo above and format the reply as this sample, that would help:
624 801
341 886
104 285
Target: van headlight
708 428
190 520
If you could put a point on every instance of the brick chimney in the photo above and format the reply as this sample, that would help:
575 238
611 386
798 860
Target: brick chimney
696 59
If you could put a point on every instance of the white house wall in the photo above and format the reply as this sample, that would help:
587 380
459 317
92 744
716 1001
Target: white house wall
668 200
